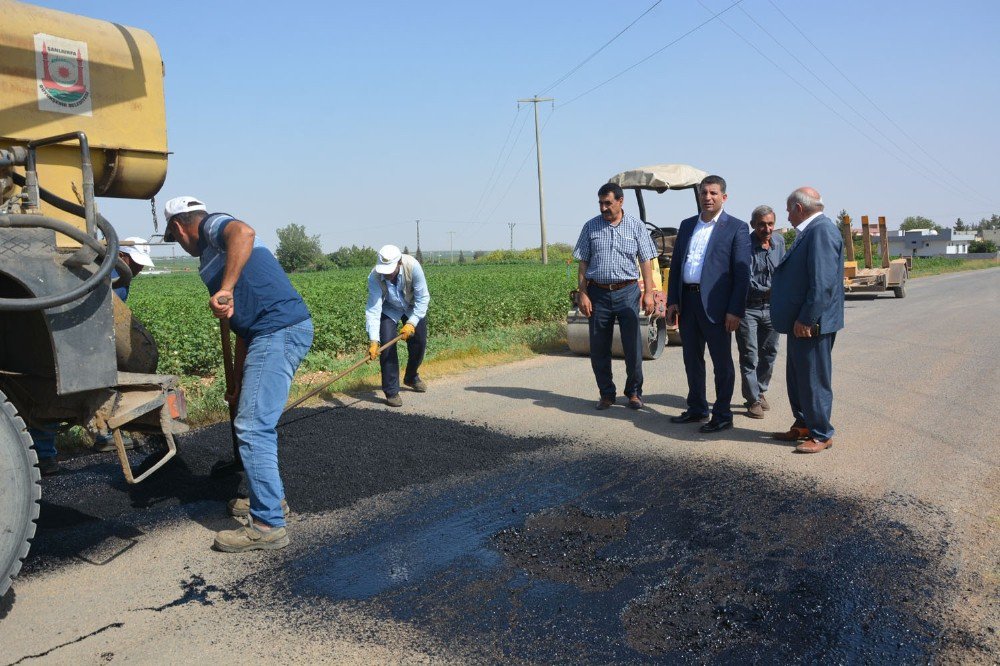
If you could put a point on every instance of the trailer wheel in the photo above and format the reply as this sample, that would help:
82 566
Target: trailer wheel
19 492
899 292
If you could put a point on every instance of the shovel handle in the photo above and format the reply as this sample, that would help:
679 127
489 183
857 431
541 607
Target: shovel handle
360 362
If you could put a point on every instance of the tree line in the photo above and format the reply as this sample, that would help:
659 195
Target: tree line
298 251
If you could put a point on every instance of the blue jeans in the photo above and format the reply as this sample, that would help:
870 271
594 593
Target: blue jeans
389 359
271 362
45 442
623 305
758 344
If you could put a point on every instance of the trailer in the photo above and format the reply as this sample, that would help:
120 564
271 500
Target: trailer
890 276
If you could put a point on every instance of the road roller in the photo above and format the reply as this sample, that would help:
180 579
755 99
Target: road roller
655 332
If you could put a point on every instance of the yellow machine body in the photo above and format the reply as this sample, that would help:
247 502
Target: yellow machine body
62 73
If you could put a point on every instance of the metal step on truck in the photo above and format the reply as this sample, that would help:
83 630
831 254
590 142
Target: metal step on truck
81 116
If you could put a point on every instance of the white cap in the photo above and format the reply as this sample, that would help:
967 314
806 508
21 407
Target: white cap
182 205
388 257
139 250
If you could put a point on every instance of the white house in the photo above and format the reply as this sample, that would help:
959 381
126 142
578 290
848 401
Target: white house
928 242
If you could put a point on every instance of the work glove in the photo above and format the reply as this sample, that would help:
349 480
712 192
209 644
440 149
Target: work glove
407 331
373 346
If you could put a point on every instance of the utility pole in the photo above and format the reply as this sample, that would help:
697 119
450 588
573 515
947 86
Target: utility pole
538 154
418 235
451 246
512 225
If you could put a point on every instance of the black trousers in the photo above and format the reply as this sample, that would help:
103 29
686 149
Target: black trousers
389 359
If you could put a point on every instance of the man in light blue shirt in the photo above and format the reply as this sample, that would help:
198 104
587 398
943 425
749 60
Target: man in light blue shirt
397 293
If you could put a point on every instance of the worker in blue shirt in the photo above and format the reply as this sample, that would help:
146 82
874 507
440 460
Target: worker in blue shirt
274 331
397 293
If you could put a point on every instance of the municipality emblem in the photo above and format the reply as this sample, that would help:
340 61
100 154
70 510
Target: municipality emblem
63 74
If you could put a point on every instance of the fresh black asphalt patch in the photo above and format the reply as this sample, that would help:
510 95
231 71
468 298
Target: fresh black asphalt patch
521 550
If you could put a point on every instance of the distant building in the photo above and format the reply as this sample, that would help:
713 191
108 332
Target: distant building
929 243
991 235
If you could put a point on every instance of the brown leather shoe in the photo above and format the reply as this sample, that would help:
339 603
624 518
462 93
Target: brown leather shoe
634 402
813 445
756 410
794 434
605 403
763 402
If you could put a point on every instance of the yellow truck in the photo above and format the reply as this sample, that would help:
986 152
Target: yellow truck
81 116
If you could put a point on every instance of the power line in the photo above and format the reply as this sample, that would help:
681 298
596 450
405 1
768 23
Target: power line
513 178
591 56
510 152
827 86
822 82
503 148
869 99
653 54
830 108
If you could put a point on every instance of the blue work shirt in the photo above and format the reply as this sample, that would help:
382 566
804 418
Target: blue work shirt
762 263
611 251
394 305
264 301
121 291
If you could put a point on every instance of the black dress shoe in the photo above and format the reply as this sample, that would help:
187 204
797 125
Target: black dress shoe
717 425
688 417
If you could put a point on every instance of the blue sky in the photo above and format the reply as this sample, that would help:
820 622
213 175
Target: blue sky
356 119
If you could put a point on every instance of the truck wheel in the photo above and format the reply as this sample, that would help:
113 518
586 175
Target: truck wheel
899 292
19 492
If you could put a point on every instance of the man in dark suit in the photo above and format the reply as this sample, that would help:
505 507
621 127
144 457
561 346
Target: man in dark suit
807 304
707 291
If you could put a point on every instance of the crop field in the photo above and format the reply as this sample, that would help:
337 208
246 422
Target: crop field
465 300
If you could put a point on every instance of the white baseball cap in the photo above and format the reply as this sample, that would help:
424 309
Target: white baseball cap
139 250
182 205
388 257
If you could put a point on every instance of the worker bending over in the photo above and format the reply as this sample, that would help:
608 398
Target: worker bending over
397 293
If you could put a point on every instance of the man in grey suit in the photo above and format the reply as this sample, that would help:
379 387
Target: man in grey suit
807 304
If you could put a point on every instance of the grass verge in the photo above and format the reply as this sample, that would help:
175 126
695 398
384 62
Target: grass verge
923 267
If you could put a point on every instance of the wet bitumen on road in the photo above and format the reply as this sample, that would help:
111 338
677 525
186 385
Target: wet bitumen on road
525 549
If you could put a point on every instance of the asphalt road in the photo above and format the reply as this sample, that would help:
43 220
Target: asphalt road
499 517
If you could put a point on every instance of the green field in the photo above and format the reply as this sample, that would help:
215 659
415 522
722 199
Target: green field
467 300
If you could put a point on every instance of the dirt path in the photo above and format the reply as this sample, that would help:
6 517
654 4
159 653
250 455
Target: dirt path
499 517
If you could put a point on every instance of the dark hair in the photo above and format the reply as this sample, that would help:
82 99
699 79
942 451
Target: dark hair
713 180
189 217
611 188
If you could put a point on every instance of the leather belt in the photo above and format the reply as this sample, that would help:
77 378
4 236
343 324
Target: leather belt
763 299
615 286
692 286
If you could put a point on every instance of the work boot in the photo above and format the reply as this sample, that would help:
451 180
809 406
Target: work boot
394 400
763 403
49 467
756 410
250 537
240 507
417 385
106 443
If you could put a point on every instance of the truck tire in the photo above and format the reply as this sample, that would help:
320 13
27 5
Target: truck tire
19 492
899 292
